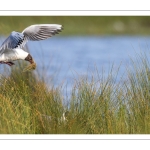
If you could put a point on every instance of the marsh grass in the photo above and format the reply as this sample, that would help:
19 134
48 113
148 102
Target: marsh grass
97 105
27 104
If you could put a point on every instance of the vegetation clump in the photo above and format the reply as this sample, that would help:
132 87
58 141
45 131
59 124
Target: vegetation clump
97 105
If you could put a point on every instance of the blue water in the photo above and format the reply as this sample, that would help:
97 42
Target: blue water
63 59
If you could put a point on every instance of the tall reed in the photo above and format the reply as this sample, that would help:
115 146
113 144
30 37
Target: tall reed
98 104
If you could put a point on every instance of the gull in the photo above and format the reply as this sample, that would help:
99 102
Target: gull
12 48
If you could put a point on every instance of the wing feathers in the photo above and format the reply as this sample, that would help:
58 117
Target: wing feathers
33 33
42 31
13 41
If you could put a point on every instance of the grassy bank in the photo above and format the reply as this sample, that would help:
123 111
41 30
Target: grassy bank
96 106
81 25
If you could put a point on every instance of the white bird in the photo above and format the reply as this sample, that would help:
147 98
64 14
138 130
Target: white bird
12 48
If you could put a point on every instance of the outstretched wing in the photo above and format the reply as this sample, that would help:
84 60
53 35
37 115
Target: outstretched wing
40 32
33 33
13 41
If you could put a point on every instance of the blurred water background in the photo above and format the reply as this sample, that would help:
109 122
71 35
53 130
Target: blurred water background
86 44
67 57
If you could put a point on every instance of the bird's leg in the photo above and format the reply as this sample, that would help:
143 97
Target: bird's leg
8 63
32 63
